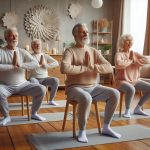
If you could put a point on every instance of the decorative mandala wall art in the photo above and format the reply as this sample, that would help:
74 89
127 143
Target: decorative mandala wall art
10 19
74 10
41 22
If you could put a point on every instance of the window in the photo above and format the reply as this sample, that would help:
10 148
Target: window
134 22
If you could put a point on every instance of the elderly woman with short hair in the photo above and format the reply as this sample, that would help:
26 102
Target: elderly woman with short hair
128 64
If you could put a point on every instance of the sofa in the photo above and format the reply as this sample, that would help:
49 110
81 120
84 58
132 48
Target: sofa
145 73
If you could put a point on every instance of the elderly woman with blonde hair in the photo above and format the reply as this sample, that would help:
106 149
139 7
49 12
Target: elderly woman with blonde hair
128 64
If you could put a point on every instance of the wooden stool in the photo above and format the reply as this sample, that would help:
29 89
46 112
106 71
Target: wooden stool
74 104
121 100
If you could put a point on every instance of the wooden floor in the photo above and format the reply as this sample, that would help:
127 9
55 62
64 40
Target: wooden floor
14 137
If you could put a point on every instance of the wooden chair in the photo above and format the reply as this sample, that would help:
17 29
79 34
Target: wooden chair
22 104
74 104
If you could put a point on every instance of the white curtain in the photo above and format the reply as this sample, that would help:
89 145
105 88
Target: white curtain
134 22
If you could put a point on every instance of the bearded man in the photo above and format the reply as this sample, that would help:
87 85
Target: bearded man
81 64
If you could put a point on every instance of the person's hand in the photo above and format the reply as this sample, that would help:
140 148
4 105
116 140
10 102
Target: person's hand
88 62
131 55
87 59
16 67
43 66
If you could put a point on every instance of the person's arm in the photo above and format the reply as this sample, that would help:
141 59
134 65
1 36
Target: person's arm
28 61
4 67
101 65
51 62
67 67
141 60
121 61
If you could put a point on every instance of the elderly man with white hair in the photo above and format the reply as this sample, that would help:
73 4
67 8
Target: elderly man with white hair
81 64
12 76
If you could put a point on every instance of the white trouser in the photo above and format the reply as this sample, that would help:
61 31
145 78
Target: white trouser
30 89
51 82
130 89
85 96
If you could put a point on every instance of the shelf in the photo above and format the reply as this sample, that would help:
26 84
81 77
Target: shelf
101 33
102 39
100 43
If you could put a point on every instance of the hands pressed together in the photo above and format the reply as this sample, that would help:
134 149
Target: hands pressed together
88 62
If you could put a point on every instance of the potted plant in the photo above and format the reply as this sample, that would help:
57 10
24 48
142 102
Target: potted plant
103 24
106 48
1 42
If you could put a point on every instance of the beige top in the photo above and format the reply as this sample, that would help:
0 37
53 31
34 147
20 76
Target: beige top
126 69
78 74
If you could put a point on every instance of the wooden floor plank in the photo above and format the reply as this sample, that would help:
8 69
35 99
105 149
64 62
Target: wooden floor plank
5 140
19 135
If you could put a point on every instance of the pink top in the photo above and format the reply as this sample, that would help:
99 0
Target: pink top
128 70
77 73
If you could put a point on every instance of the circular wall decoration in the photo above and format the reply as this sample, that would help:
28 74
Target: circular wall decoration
10 19
74 10
41 22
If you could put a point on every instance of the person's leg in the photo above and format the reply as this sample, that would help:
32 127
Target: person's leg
129 91
34 80
84 99
111 97
145 88
53 83
5 91
37 91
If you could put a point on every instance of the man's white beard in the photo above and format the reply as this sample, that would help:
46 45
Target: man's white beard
14 43
85 41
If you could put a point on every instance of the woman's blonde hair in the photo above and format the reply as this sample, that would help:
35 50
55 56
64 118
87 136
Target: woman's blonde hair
122 39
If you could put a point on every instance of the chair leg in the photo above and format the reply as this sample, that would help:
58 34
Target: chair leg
22 105
74 120
121 100
28 111
97 117
141 94
65 115
47 95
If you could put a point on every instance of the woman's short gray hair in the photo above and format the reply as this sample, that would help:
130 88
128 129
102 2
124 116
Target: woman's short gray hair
9 30
122 39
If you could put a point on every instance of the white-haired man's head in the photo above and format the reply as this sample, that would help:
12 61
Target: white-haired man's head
80 33
36 45
11 37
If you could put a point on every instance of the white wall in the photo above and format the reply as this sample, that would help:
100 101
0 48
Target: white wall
20 7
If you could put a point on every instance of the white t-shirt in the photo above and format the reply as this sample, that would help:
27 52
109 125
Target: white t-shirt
9 75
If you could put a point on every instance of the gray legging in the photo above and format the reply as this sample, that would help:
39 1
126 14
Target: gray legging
130 89
85 96
51 82
30 89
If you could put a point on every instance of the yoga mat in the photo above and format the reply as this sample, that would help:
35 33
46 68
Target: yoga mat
61 140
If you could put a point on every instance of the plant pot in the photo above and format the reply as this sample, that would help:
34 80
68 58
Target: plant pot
104 29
